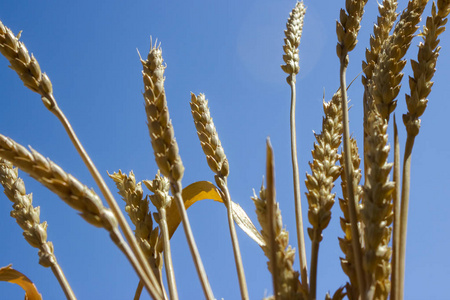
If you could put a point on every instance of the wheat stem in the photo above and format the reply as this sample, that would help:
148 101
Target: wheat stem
351 188
176 192
156 291
234 239
167 254
314 265
395 288
297 194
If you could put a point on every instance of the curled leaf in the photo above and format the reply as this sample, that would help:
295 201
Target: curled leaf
8 274
202 190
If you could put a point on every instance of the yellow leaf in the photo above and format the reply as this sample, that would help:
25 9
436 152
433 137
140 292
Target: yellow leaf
10 275
202 190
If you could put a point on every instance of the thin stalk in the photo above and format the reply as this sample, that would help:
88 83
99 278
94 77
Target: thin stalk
351 187
270 170
145 272
395 288
297 197
404 211
57 271
314 264
235 242
117 238
137 294
167 255
176 192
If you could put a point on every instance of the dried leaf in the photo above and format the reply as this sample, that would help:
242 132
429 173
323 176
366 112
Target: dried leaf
10 275
202 190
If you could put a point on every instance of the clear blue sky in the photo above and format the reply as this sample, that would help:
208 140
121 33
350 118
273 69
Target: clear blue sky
231 51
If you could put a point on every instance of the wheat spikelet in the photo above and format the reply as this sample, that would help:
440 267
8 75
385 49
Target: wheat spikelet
387 75
424 68
377 214
159 124
293 33
67 187
345 243
138 211
26 66
209 139
289 284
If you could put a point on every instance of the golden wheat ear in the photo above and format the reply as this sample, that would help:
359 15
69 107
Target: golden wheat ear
28 218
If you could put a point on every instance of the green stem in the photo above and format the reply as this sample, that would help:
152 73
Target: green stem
404 211
351 186
297 195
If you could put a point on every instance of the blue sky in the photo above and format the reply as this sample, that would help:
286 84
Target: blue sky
231 51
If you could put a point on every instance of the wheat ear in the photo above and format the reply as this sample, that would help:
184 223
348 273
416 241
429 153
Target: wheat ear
27 216
420 85
160 187
71 191
293 33
138 211
165 146
30 73
347 31
345 243
218 163
377 208
279 252
387 75
321 180
381 30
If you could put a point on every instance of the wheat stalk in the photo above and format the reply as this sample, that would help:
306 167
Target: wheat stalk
321 180
347 31
165 146
138 211
345 243
293 33
218 163
420 85
27 216
71 191
29 72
